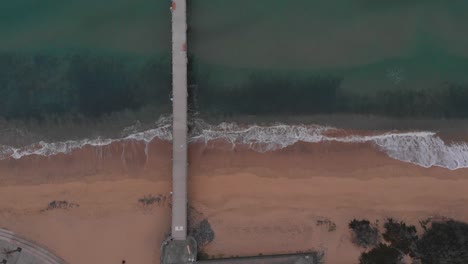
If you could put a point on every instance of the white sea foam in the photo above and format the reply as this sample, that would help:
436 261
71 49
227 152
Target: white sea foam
162 131
261 138
425 149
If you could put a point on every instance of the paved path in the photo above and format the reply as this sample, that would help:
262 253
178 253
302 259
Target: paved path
302 258
179 98
30 253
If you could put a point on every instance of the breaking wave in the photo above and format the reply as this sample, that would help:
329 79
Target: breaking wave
162 131
425 149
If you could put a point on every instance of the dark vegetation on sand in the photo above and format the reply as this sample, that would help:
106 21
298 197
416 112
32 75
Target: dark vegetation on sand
364 233
381 254
442 242
445 242
401 236
200 229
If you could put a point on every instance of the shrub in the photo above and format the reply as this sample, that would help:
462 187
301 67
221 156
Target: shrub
203 233
382 254
364 234
444 242
401 236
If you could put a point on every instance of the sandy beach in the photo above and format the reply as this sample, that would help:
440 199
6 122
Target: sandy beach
301 117
256 203
108 226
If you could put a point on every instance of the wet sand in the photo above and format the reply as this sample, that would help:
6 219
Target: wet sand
256 202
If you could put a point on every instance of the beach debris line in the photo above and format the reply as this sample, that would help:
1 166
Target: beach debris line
328 223
151 199
60 204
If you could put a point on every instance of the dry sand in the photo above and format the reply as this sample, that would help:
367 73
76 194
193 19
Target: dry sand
256 203
108 226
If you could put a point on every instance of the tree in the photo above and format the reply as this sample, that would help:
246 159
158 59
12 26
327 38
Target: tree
444 243
364 234
382 254
401 236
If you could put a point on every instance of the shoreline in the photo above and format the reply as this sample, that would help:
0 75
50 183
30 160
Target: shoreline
452 127
152 161
22 133
423 148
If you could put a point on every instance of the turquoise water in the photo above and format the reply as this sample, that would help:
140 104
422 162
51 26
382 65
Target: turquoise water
398 58
123 26
83 57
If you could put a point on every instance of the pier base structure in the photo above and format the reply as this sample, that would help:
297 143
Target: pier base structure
179 113
179 251
179 248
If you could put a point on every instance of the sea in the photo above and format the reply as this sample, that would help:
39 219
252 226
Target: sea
264 74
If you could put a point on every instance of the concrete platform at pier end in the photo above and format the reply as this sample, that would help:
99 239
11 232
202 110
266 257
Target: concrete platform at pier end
179 251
